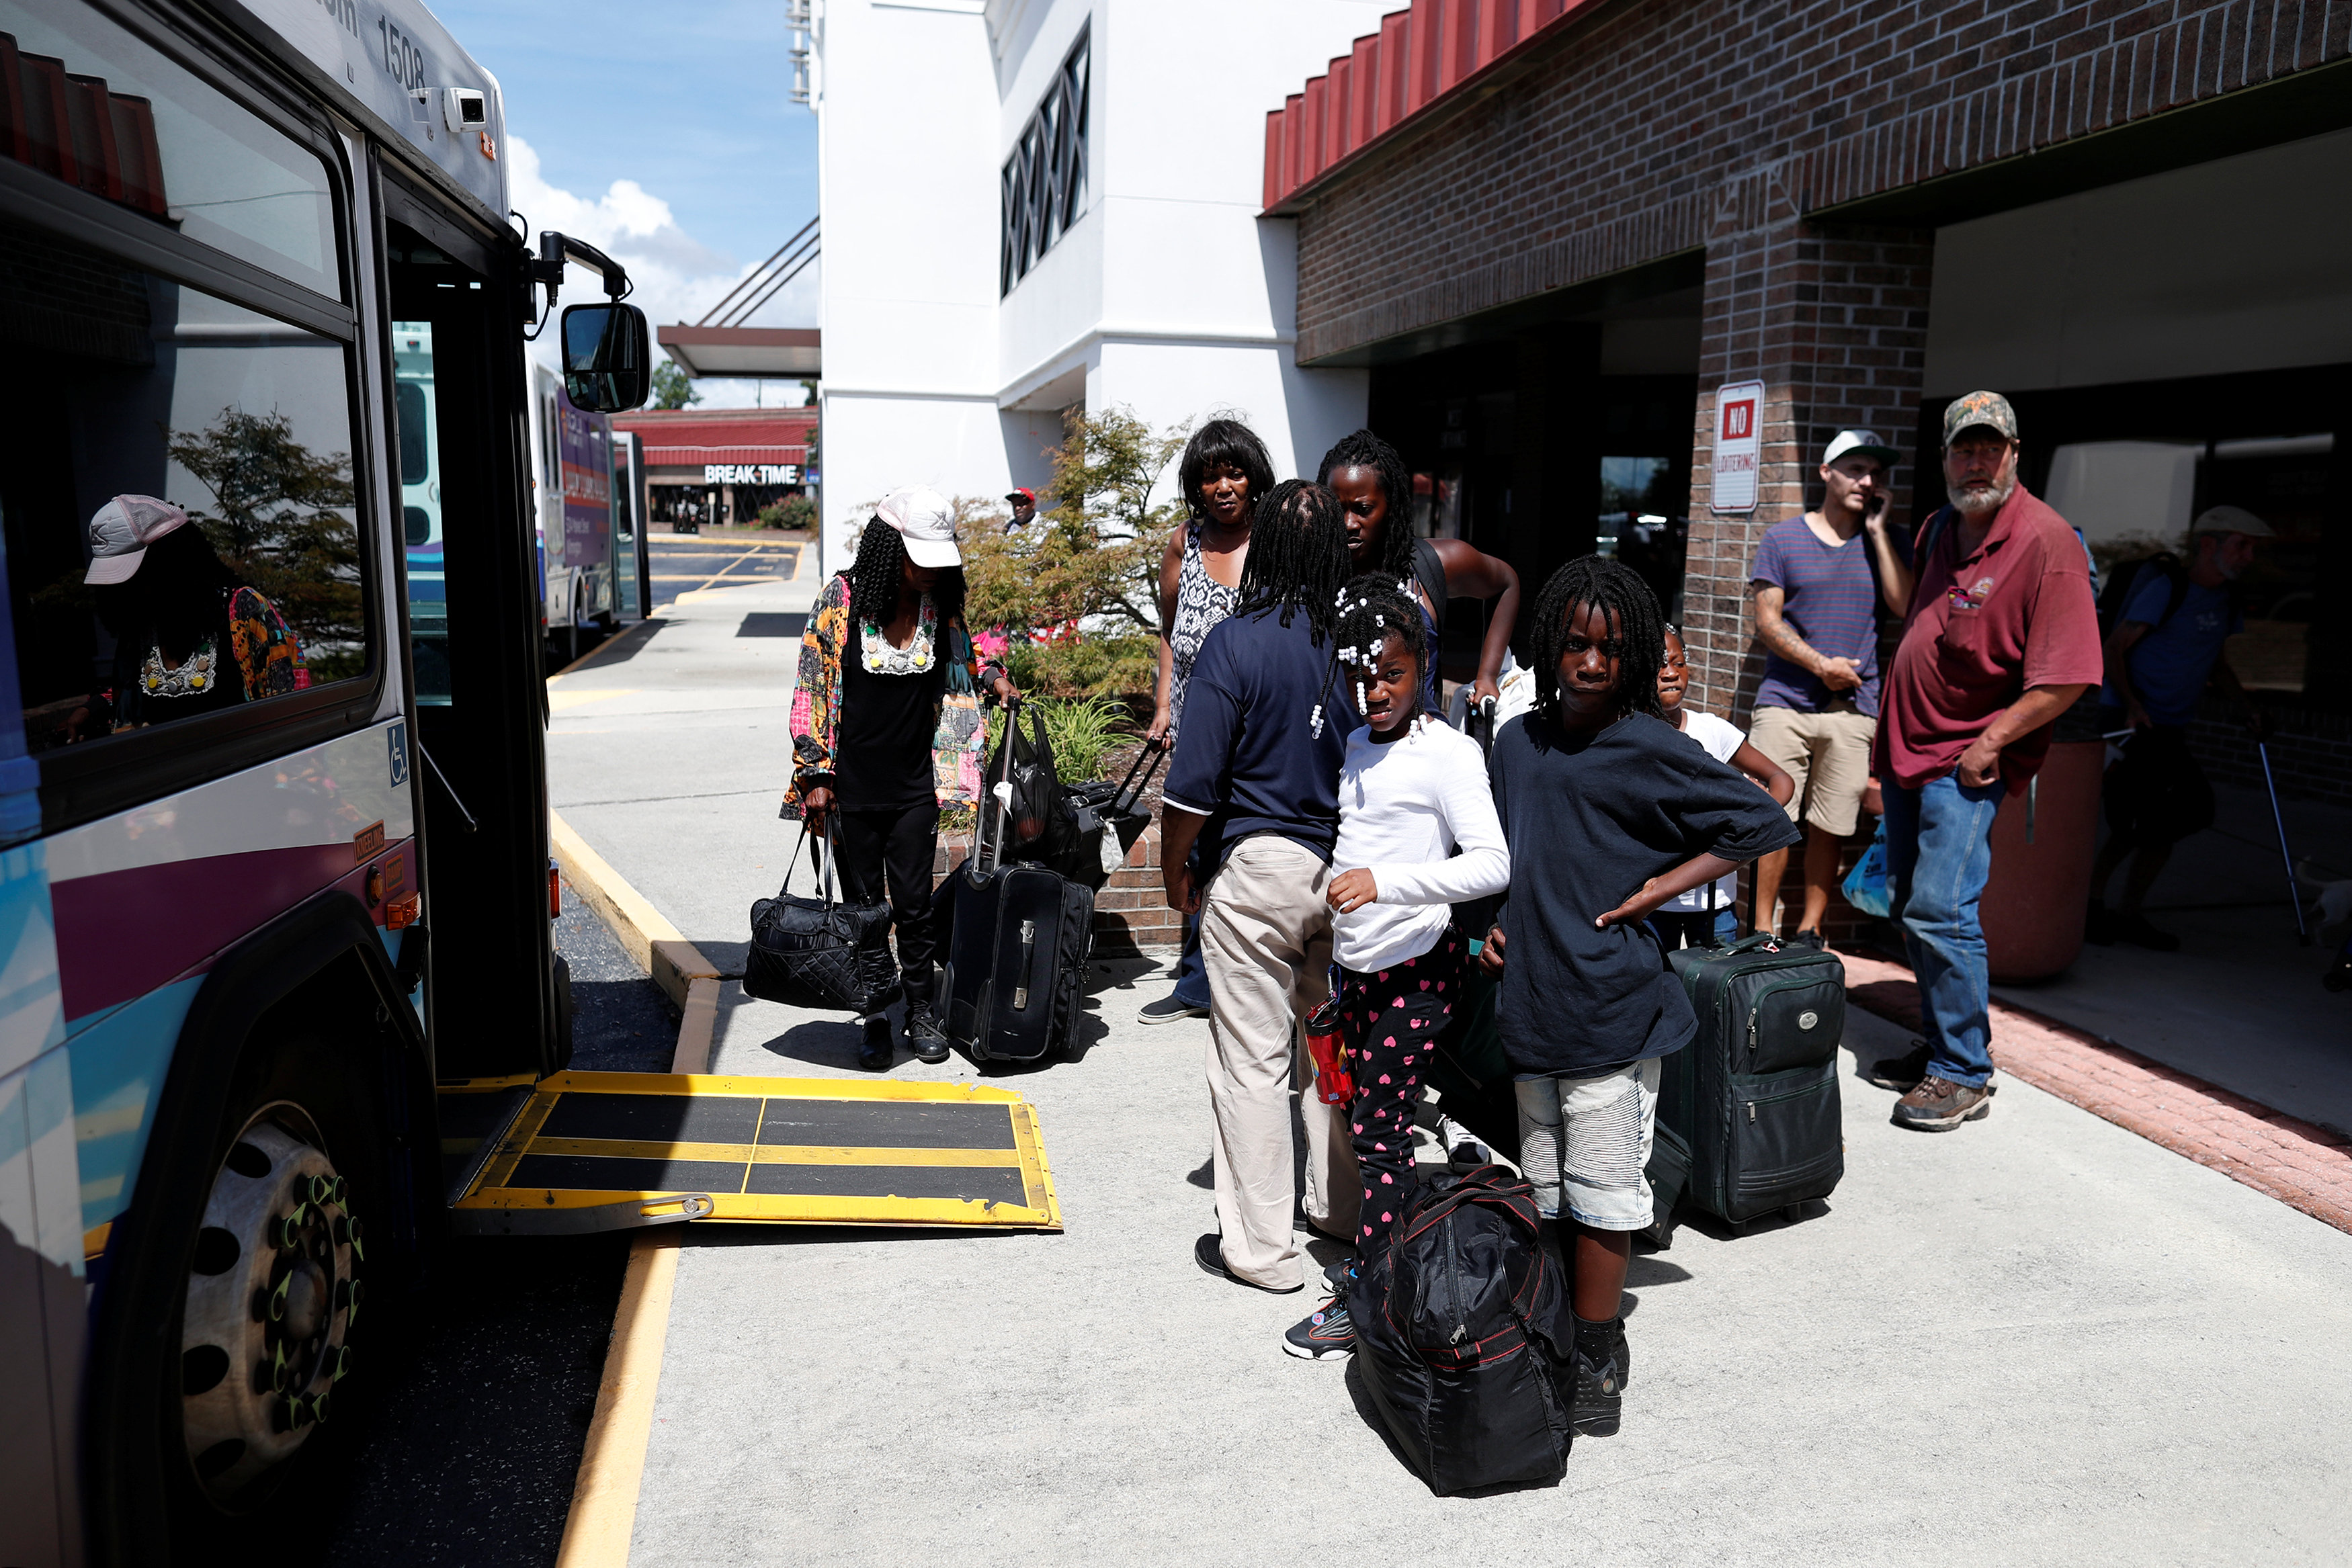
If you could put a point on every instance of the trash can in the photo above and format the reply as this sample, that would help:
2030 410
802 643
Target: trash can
2042 843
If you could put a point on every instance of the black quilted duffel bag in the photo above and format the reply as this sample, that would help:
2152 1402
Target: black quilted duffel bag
817 952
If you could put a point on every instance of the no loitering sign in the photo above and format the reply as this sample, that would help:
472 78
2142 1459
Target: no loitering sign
1739 447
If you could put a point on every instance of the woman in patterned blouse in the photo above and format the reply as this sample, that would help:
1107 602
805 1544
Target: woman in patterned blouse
886 729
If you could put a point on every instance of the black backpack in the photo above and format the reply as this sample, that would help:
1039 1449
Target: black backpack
1460 1334
2126 575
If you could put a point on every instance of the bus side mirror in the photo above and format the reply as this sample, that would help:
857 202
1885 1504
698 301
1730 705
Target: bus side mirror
607 360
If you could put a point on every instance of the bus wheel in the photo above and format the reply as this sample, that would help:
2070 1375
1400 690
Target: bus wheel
273 1286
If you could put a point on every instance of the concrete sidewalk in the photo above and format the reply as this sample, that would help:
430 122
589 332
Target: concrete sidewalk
2041 1338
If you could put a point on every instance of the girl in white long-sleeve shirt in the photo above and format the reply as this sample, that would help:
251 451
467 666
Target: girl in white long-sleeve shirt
1412 791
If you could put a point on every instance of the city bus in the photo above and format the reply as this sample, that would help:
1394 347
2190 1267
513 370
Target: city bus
272 631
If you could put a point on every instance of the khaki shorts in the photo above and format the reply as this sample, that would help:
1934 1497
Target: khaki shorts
1827 754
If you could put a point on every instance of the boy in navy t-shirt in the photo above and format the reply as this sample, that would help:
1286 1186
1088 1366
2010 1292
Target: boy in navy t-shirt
2163 649
1602 801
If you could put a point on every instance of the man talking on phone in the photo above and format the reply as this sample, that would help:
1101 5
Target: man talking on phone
1819 580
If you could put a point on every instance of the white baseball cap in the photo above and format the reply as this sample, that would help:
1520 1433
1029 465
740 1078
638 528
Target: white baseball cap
2231 520
121 531
926 521
1865 442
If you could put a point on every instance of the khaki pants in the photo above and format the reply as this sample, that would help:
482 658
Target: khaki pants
1265 933
1827 753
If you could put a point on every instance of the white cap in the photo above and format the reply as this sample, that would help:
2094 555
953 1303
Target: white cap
1865 442
2231 520
926 521
121 532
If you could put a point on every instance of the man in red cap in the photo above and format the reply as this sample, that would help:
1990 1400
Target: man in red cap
1024 508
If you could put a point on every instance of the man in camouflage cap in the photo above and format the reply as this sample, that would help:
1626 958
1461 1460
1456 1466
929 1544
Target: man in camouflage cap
2001 636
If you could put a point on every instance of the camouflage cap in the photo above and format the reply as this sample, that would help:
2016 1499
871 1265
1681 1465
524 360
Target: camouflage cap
1989 409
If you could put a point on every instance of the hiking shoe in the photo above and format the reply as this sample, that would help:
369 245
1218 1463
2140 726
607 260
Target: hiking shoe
2133 927
1209 1253
1167 1010
877 1052
1938 1106
1323 1335
1462 1151
1600 1392
924 1037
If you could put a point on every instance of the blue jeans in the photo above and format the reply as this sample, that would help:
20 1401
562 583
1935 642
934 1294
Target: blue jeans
1938 854
1192 972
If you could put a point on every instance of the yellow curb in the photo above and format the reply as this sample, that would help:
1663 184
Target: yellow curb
604 1500
604 1516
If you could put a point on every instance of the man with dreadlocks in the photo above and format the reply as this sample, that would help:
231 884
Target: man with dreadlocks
1267 721
886 729
1370 481
1599 794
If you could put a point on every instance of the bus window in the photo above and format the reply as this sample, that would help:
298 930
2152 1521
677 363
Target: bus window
178 506
420 506
100 109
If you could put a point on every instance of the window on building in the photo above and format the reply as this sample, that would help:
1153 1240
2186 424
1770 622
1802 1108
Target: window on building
1045 184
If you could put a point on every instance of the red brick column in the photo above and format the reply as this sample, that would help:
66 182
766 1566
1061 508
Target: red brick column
1834 321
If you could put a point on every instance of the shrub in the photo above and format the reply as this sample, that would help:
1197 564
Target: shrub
791 512
1082 731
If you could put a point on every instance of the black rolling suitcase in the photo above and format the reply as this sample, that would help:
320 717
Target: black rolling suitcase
1016 951
1747 1112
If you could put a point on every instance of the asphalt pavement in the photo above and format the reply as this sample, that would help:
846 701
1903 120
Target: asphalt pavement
2039 1338
464 1453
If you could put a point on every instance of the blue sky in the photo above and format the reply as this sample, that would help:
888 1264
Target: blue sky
664 133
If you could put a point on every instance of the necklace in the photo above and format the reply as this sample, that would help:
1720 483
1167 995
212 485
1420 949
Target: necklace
881 658
192 676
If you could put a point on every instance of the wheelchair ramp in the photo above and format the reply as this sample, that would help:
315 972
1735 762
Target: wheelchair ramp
594 1151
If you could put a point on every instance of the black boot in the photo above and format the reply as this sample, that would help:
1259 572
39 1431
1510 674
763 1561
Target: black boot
877 1052
924 1036
1600 1377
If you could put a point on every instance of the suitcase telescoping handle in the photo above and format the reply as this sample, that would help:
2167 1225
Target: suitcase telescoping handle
999 796
1128 791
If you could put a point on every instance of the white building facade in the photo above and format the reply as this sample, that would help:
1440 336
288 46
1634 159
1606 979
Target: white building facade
1128 265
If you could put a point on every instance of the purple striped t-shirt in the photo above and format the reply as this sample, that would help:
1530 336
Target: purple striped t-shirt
1830 599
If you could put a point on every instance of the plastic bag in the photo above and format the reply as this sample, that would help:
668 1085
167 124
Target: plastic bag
1865 885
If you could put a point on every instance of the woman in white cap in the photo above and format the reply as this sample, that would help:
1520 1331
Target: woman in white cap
886 729
189 635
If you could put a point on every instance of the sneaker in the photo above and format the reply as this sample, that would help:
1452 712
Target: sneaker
1902 1073
1600 1393
877 1052
924 1037
1323 1335
1462 1151
1938 1106
1807 939
2133 927
1167 1010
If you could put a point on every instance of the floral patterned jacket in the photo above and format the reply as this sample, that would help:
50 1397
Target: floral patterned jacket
961 735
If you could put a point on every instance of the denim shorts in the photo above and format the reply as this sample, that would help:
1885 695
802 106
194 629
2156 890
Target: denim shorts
1589 1139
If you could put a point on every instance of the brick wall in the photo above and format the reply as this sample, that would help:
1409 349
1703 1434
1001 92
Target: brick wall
1624 132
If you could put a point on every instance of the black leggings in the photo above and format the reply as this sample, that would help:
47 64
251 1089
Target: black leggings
896 847
1390 1020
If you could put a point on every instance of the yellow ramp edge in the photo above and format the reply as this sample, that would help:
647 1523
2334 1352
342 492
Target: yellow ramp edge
562 1152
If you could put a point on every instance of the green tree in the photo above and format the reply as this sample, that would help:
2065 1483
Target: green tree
1088 564
672 388
282 523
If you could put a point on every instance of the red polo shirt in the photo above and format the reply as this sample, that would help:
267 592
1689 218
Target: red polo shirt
2018 613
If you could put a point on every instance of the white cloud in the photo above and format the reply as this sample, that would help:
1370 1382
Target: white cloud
677 278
